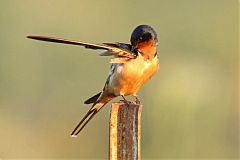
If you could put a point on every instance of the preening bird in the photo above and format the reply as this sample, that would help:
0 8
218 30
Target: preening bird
131 66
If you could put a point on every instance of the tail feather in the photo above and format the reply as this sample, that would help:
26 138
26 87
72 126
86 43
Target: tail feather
93 99
96 107
83 122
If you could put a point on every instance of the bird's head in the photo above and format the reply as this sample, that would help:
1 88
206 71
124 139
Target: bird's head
144 39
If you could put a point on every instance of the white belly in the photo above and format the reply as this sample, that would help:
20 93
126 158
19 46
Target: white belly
130 76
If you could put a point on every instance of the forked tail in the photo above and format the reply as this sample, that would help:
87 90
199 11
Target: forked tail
90 114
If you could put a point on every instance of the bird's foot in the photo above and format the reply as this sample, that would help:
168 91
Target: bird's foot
137 101
124 100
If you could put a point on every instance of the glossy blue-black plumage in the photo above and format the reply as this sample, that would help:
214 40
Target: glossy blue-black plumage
143 33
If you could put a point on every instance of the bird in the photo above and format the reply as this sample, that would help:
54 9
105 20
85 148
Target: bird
131 66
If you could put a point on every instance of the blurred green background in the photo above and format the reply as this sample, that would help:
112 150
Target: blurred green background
190 107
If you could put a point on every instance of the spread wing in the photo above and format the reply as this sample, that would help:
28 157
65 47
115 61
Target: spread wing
110 49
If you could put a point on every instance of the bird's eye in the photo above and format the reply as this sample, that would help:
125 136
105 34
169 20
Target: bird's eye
141 38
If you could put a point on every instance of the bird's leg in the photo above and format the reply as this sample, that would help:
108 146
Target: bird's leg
126 101
137 100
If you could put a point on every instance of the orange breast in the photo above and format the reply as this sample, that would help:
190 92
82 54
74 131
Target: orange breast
130 76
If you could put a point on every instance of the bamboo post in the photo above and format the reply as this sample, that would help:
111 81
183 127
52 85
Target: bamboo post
125 132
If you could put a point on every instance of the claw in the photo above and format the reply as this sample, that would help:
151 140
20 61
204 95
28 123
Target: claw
125 100
137 100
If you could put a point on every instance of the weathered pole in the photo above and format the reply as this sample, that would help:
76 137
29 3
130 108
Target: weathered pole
125 133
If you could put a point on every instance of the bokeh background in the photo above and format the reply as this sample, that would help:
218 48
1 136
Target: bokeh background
190 107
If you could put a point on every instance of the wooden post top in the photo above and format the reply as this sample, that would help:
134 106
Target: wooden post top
124 131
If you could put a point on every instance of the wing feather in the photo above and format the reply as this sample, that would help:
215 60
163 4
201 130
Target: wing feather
110 48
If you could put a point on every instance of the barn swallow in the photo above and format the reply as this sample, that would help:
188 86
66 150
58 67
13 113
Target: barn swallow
131 66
